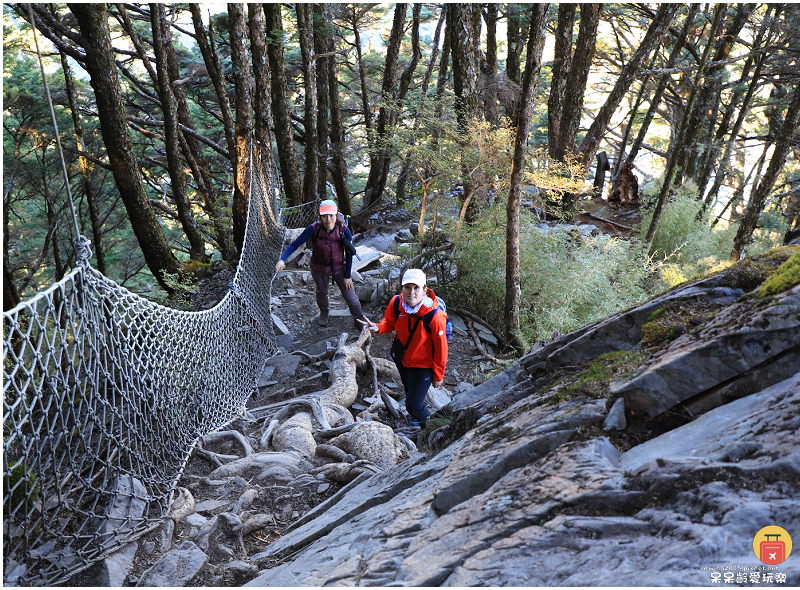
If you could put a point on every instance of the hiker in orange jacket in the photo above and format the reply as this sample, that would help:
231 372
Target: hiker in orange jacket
422 354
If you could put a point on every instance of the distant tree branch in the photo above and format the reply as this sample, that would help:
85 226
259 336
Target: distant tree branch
88 156
712 64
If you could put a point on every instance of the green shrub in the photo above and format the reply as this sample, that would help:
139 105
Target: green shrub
684 247
567 280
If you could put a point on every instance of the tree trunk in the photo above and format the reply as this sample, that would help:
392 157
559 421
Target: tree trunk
52 224
700 124
416 55
287 157
338 163
402 179
86 168
679 142
662 85
180 189
380 157
189 143
709 156
516 36
631 121
572 108
464 22
533 62
305 25
321 38
562 64
734 132
261 74
243 88
661 21
362 76
216 74
490 69
441 81
783 143
100 64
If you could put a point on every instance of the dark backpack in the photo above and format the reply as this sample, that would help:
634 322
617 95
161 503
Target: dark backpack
342 221
428 317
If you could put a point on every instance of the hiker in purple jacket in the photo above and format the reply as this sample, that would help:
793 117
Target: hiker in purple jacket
329 259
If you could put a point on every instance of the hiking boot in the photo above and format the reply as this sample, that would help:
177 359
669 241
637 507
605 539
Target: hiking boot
323 318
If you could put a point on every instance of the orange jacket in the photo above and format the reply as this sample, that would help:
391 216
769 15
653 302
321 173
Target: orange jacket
427 351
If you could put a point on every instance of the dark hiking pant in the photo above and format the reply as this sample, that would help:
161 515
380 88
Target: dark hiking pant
416 382
322 280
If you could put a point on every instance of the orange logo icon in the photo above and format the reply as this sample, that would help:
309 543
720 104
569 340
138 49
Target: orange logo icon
772 545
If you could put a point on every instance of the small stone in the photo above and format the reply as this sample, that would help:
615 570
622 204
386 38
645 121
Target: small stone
323 487
320 477
148 547
463 386
295 515
616 416
196 519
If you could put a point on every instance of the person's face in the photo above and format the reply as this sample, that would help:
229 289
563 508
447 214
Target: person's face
328 221
413 294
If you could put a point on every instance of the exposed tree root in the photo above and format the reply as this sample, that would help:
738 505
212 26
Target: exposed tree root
283 467
216 438
182 506
345 472
369 445
335 453
374 442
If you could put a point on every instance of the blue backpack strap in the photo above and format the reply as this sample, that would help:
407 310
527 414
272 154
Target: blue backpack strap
396 303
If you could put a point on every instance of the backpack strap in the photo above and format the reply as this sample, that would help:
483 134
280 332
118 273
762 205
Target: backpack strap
396 303
428 318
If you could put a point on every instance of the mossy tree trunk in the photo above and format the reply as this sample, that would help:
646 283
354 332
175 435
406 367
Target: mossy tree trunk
287 156
243 92
178 184
533 62
100 64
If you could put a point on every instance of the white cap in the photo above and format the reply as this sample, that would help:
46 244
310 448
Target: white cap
416 276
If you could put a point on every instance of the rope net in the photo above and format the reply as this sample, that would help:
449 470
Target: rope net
105 394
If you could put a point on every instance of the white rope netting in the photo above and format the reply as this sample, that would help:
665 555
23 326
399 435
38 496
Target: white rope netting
105 394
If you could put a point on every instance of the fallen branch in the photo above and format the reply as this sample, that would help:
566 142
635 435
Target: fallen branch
480 347
608 221
464 313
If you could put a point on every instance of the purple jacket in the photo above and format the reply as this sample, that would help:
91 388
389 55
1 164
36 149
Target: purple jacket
328 255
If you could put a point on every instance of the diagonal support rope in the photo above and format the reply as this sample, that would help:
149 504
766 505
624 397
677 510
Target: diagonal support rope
83 252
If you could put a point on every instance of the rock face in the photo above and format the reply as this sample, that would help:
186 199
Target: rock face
528 489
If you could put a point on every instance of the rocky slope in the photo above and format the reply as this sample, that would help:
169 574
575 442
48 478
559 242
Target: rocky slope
699 391
644 449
